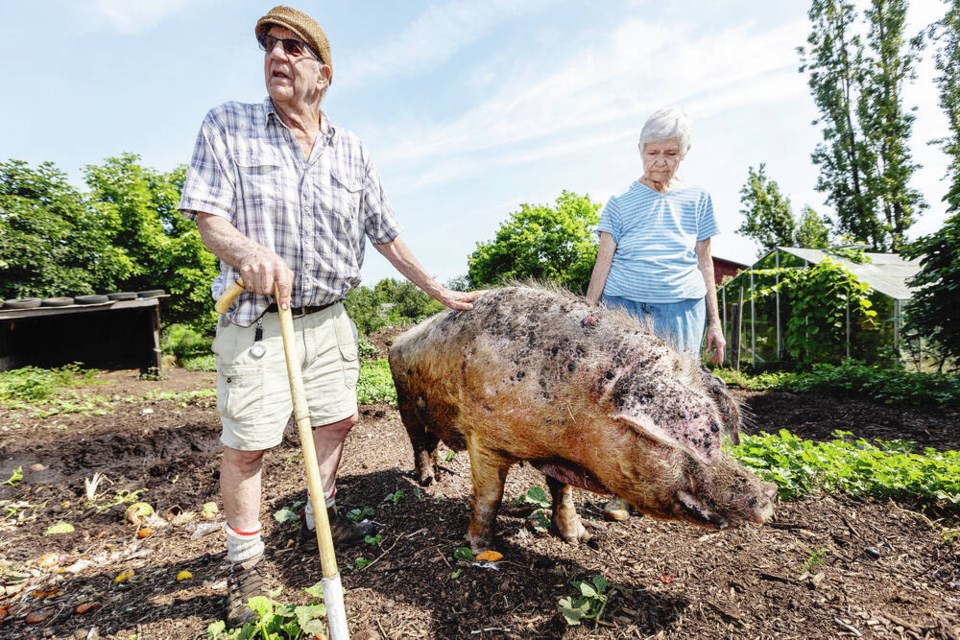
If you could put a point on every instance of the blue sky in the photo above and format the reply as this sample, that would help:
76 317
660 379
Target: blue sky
469 107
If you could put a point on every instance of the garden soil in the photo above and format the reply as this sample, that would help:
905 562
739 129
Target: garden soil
825 567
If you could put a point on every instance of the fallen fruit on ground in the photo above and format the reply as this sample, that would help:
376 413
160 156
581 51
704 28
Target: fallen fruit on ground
86 607
137 512
123 576
184 575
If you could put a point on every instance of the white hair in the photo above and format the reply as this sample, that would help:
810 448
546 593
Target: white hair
667 123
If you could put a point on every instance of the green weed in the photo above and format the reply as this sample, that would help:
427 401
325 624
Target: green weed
375 383
589 603
276 621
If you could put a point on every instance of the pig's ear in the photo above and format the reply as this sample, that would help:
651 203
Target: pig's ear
647 428
698 512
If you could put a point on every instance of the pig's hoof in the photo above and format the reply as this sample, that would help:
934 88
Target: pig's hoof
577 535
479 545
617 509
426 479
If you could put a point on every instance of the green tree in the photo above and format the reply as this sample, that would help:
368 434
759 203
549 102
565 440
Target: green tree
945 34
813 230
553 244
53 241
834 63
934 309
389 302
886 124
164 246
406 302
767 215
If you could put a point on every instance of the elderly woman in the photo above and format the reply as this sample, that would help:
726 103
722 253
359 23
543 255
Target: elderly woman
654 257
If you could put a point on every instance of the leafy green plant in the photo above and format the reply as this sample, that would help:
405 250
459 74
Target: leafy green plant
360 513
590 601
365 348
34 385
276 621
463 554
375 383
891 386
536 496
374 541
395 497
360 563
815 560
539 521
15 477
122 496
819 299
450 456
855 466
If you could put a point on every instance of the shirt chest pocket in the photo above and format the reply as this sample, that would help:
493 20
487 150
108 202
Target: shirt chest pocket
343 200
260 178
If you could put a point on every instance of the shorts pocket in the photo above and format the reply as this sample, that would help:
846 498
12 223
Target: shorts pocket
349 352
240 393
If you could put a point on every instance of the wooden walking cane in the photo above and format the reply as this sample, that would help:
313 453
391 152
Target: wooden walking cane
332 587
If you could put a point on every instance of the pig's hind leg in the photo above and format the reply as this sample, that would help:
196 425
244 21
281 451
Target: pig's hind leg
426 447
565 518
425 444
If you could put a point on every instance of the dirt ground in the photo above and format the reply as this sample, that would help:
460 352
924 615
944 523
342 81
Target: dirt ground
824 568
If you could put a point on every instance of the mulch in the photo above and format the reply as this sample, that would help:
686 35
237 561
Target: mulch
824 567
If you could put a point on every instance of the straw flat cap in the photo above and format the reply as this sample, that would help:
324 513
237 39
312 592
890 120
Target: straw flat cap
305 27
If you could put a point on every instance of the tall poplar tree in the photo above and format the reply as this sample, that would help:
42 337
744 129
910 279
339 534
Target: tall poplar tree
889 62
767 215
833 60
945 34
934 309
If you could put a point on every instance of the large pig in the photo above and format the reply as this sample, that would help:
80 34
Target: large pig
589 396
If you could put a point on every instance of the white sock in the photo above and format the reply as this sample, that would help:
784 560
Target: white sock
308 510
243 545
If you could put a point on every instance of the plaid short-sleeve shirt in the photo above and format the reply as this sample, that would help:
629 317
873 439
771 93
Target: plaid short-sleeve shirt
315 214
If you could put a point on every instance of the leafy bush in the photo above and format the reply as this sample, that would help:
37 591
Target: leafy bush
390 302
375 383
182 341
33 384
857 467
886 385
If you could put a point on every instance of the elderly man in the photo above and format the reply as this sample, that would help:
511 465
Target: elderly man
285 199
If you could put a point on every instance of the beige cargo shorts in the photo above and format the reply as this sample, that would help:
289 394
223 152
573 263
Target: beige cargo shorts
253 391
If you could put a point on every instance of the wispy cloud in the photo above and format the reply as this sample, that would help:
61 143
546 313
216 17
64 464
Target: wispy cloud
605 91
136 16
437 35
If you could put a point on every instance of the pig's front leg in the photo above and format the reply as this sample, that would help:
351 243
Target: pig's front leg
488 473
565 517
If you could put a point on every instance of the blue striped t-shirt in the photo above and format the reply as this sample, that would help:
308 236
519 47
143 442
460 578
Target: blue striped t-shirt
656 233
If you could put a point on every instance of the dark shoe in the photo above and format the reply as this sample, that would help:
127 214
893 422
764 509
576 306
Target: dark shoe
343 530
245 582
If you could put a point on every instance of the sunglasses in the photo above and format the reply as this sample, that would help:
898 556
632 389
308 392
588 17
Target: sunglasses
291 46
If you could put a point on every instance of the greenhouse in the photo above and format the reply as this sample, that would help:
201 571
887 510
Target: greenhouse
756 313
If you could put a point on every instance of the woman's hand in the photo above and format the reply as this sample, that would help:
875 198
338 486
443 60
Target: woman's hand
715 343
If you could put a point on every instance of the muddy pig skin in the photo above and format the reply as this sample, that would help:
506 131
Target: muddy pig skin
589 396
